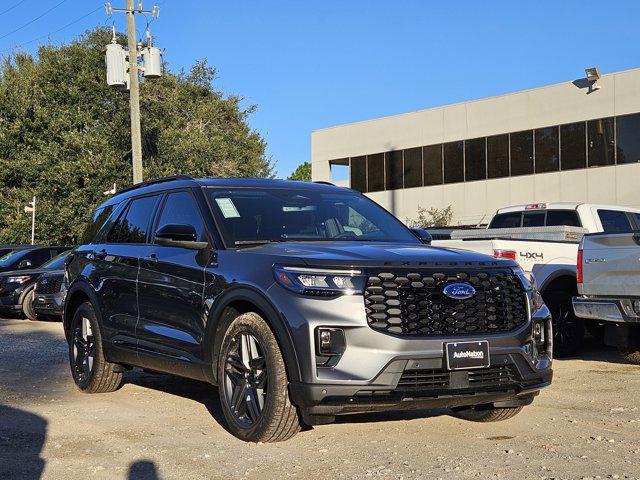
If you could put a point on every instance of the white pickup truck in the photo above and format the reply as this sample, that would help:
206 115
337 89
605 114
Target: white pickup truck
609 288
543 238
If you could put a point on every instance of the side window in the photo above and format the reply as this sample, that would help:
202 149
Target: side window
533 219
133 224
561 218
181 209
38 257
614 221
98 219
506 220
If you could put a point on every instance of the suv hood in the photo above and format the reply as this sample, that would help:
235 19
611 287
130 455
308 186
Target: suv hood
366 254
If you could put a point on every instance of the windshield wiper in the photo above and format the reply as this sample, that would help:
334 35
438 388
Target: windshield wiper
244 243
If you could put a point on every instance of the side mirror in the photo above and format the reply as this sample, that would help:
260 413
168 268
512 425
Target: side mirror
422 234
25 264
183 236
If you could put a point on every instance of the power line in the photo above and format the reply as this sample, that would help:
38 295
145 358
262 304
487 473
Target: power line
32 21
11 8
61 28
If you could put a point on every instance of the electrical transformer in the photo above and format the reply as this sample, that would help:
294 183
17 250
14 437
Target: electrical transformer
151 62
115 59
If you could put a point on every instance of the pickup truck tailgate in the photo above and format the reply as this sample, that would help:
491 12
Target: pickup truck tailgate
610 265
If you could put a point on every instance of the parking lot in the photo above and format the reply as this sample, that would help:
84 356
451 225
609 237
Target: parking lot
587 425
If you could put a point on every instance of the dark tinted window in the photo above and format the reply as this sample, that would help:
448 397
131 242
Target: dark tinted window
614 221
358 174
375 172
180 209
522 153
600 142
453 162
413 167
498 156
432 161
57 262
547 150
573 147
567 218
133 224
98 219
393 166
475 160
628 138
533 219
38 257
506 220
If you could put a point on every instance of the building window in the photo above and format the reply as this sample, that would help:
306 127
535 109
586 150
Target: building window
498 156
453 162
393 166
573 152
358 174
339 170
432 164
413 167
600 142
547 150
475 159
375 172
521 153
628 138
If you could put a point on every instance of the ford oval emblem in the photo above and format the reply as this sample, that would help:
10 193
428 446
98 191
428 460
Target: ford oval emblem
459 291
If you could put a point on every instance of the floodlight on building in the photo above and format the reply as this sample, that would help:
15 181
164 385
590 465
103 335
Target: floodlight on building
593 75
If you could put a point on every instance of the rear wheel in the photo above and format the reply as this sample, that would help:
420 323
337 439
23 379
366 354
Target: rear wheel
27 306
91 372
568 330
488 414
253 384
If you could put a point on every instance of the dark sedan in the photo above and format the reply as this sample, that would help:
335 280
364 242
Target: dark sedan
17 287
30 256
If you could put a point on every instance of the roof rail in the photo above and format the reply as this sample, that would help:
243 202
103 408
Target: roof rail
324 182
153 181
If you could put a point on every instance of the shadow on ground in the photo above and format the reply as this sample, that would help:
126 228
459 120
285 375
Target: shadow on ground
22 436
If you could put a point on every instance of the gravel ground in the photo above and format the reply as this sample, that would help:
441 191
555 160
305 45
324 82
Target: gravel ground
587 425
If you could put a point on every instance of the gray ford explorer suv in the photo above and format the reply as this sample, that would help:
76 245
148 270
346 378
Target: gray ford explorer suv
300 301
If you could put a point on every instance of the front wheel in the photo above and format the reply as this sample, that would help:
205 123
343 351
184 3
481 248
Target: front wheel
27 306
253 383
568 330
488 414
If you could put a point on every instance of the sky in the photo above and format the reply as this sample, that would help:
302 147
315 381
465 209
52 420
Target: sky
310 64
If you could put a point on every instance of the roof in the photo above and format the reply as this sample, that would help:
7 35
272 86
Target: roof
182 181
563 206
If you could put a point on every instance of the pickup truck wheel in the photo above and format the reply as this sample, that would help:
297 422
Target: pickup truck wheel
253 384
631 355
568 330
488 414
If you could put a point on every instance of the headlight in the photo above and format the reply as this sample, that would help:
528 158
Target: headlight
527 282
18 279
320 282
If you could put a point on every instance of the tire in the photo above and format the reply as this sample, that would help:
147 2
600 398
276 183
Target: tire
253 384
27 306
568 330
631 355
489 414
91 372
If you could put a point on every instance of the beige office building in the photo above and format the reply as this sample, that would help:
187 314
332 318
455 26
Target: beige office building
573 141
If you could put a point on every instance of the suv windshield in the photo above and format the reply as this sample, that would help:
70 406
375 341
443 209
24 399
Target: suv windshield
262 215
56 263
11 257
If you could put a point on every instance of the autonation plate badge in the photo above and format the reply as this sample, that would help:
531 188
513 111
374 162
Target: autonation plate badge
467 355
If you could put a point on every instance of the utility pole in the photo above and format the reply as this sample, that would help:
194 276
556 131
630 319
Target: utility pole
116 68
31 208
134 97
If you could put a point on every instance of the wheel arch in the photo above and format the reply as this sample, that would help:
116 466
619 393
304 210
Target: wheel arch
79 293
564 280
235 302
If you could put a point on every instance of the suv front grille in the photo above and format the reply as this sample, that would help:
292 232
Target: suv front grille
49 284
426 381
412 303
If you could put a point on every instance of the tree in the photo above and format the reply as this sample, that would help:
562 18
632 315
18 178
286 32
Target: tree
302 173
64 135
432 217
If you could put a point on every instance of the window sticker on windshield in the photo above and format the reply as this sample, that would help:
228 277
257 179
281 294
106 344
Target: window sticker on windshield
227 208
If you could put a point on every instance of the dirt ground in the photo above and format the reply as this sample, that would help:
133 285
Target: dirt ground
587 425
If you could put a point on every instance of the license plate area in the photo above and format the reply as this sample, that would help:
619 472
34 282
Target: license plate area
466 355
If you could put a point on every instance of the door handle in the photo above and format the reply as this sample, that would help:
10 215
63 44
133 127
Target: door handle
152 257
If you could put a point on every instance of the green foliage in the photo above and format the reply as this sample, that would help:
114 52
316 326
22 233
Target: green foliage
65 137
432 217
302 173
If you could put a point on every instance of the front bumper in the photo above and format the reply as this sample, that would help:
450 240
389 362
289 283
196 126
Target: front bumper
10 301
49 304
